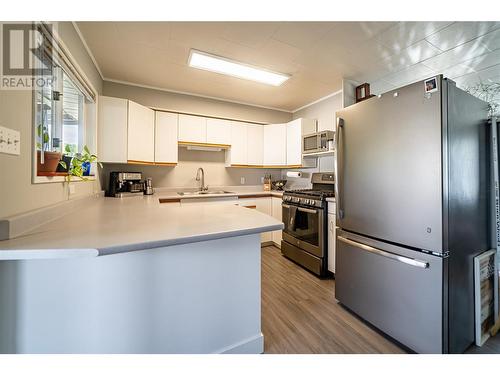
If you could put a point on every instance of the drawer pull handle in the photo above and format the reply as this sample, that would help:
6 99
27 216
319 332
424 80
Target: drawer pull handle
374 250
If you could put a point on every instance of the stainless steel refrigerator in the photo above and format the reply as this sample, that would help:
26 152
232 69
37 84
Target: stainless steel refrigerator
412 206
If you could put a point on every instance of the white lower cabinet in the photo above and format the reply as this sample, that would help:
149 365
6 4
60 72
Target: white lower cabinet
277 214
263 205
331 236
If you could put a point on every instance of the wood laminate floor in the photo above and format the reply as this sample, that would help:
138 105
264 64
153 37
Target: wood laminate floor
300 315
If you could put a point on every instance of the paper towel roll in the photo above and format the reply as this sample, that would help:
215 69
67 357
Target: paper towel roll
293 174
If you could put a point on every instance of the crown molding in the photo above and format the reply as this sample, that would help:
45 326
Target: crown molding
318 100
87 48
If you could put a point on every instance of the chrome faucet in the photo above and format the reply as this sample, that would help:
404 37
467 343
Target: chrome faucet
202 187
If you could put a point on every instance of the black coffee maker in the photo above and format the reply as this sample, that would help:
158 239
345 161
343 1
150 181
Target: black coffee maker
122 184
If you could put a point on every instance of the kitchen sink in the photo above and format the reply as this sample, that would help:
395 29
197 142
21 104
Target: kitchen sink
204 192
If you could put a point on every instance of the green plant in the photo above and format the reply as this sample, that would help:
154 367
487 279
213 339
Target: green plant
77 167
43 134
490 93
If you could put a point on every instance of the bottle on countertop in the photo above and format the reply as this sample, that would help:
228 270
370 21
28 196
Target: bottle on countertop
267 182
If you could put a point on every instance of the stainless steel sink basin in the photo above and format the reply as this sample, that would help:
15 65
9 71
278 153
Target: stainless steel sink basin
204 192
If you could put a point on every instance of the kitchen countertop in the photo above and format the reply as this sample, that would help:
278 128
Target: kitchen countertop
234 191
110 225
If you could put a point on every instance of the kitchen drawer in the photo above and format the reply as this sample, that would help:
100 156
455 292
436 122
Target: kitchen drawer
396 289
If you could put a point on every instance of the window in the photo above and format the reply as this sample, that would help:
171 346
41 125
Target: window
64 112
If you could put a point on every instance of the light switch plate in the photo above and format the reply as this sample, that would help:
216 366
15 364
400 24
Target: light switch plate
242 180
10 141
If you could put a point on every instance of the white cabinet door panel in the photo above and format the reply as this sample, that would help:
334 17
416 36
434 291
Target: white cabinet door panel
277 214
166 149
275 145
294 143
141 133
264 205
255 144
218 131
112 129
192 129
238 152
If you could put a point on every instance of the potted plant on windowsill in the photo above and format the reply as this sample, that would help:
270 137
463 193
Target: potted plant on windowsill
80 164
50 158
67 157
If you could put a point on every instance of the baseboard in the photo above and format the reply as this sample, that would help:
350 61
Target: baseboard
270 243
253 345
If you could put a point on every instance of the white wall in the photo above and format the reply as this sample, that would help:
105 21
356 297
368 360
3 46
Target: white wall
17 193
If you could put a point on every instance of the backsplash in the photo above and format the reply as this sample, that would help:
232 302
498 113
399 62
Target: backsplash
184 174
325 164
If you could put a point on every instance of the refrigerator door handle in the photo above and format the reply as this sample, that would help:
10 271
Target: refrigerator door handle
338 169
374 250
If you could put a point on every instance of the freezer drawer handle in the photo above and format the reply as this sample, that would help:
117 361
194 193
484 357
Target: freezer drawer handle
399 258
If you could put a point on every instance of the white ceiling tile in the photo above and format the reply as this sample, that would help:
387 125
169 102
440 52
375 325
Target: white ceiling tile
411 55
456 71
491 40
467 80
456 55
484 61
460 33
491 74
301 34
412 74
380 86
250 34
404 34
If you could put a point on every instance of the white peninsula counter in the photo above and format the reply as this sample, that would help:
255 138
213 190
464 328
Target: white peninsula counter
134 276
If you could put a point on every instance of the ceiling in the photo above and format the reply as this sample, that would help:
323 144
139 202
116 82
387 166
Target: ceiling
318 55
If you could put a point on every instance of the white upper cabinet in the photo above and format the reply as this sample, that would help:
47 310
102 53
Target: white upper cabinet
126 131
112 129
293 143
237 155
218 131
275 145
141 133
192 129
166 150
255 144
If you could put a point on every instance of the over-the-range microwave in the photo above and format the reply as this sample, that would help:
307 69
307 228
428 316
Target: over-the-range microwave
317 142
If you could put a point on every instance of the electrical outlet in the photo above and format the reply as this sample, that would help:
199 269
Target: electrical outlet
71 189
10 141
242 180
262 180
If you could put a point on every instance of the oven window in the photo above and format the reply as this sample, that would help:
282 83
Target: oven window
302 225
310 143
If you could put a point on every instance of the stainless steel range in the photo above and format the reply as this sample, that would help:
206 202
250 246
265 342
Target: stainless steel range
305 218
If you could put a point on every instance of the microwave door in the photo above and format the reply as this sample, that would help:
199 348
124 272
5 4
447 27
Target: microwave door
310 143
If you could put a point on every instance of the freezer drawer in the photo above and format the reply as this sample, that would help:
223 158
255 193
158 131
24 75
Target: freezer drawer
398 290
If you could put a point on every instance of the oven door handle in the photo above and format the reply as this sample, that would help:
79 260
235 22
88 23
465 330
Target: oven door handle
308 210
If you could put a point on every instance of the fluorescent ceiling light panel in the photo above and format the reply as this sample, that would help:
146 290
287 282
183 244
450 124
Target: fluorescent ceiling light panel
205 61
